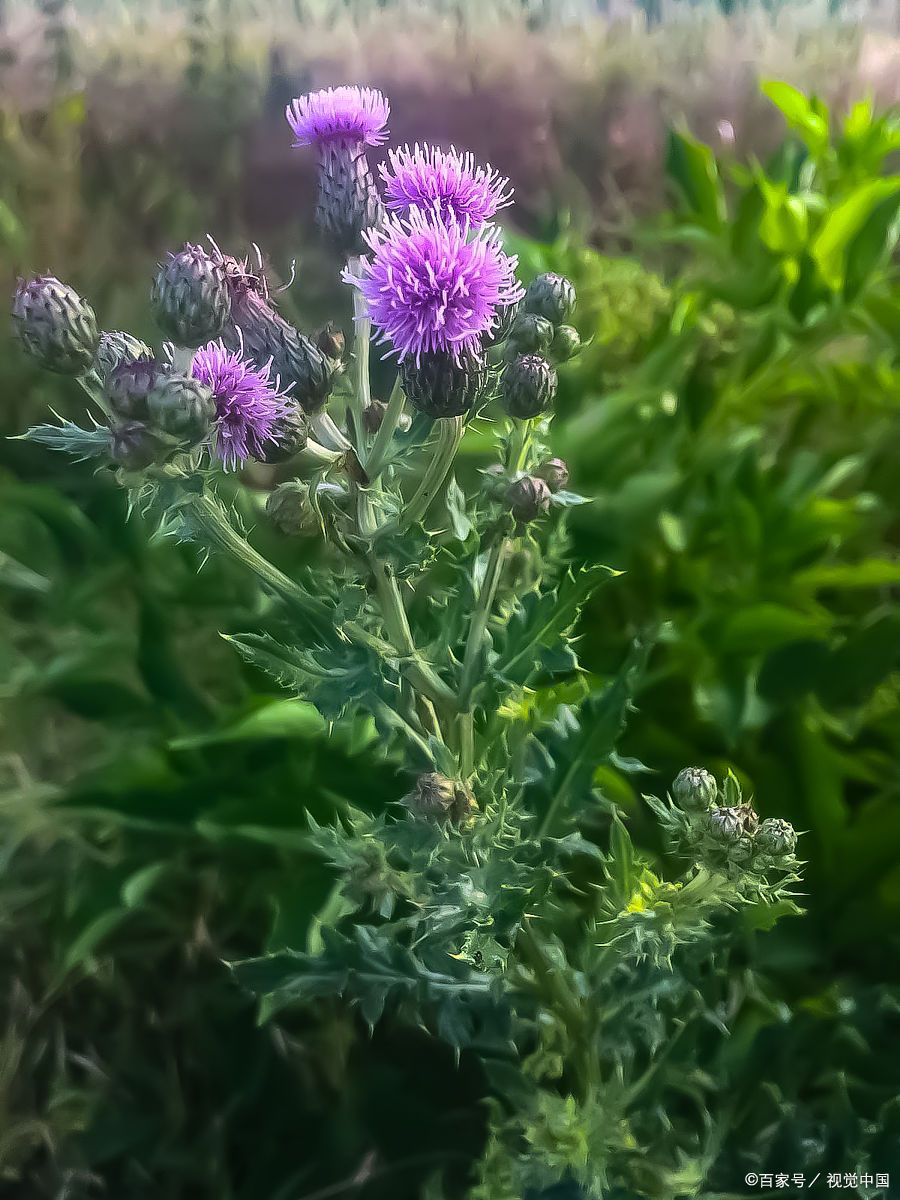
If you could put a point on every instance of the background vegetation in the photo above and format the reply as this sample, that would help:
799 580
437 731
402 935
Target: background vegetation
735 418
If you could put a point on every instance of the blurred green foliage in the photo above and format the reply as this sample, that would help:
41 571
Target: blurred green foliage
734 416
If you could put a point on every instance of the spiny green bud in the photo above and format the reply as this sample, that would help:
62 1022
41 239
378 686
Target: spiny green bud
117 348
290 510
555 473
494 481
134 446
694 789
441 385
529 386
289 437
437 798
130 383
566 343
775 837
740 852
55 326
551 296
530 334
731 824
190 299
528 498
182 407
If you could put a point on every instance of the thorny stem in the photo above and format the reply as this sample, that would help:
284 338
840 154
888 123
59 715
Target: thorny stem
480 618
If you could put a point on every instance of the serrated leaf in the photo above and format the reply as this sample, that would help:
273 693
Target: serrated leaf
71 439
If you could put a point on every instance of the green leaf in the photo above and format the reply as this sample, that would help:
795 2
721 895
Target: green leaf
274 719
70 439
830 247
692 166
762 627
801 113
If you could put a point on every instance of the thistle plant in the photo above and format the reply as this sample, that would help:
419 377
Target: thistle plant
500 904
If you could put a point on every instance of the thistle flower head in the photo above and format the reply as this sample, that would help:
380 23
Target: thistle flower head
425 177
433 285
249 402
348 114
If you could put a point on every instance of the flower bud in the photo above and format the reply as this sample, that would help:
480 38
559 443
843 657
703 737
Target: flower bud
290 510
442 386
740 852
566 343
373 415
505 319
348 201
134 446
182 407
494 481
551 296
529 386
289 437
130 383
189 299
117 348
694 789
55 326
528 498
331 341
437 798
555 473
530 334
731 824
775 837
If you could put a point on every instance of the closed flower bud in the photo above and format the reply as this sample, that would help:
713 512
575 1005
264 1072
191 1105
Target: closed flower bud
441 385
775 837
290 510
740 852
566 343
182 407
129 384
494 481
117 348
190 299
731 824
555 473
530 334
551 296
529 386
694 789
373 415
505 319
289 437
528 498
55 326
437 798
331 341
134 446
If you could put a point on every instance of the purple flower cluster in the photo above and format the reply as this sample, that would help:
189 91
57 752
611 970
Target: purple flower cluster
249 404
435 285
437 277
425 176
348 114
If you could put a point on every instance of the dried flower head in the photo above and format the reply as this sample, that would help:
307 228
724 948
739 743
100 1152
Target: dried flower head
350 114
249 403
434 285
427 177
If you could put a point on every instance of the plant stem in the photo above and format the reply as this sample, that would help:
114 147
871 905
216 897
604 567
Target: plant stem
450 431
380 447
480 618
359 396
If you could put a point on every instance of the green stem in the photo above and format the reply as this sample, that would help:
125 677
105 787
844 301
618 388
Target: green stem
480 618
518 446
359 396
450 431
380 447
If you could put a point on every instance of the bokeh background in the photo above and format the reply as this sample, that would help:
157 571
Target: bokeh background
736 417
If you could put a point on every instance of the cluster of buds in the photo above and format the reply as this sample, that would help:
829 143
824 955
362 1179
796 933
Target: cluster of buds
730 829
437 798
539 338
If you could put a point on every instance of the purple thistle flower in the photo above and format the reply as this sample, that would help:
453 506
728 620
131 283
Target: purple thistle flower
249 404
346 114
425 176
434 285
